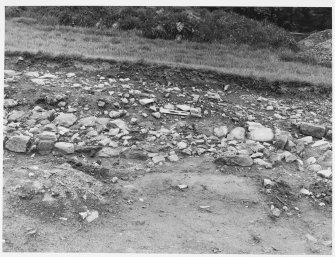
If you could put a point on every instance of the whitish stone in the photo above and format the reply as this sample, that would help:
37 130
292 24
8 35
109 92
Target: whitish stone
314 167
18 144
276 212
183 107
254 125
65 147
102 121
157 115
158 159
325 173
306 140
114 132
181 145
305 191
65 119
9 103
133 121
237 133
117 114
289 157
62 130
34 130
70 75
48 135
92 133
221 131
310 160
268 182
101 103
88 121
40 82
182 186
169 106
32 74
173 158
11 73
263 163
16 115
120 123
261 134
84 214
147 101
92 216
48 76
196 112
320 143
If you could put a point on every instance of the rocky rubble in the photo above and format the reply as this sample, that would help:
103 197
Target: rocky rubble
254 131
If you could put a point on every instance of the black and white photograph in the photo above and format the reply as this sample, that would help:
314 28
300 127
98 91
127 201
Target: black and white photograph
167 129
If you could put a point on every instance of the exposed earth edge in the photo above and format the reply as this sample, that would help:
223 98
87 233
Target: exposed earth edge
303 89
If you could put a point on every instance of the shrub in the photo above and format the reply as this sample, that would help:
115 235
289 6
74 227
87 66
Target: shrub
217 26
13 11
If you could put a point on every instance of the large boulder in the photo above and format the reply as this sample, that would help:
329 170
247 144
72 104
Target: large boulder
258 132
18 144
261 134
311 129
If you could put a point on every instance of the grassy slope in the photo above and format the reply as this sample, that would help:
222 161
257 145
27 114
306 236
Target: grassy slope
128 46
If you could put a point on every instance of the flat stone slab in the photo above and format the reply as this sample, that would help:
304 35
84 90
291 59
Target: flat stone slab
311 129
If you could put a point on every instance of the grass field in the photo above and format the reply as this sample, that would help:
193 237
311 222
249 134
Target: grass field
128 46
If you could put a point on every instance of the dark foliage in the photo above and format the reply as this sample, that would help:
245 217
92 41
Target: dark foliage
298 19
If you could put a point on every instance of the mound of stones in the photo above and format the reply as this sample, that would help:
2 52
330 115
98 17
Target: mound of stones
118 132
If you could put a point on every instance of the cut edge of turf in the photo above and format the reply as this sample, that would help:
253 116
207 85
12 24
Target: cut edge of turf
295 87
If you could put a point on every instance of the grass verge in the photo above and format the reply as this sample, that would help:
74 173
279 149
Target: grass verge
128 46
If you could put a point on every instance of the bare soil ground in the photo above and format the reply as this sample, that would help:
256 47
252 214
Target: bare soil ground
223 209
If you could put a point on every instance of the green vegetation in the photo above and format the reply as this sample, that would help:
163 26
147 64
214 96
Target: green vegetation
193 24
118 45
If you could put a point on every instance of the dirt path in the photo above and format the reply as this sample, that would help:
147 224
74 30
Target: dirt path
189 205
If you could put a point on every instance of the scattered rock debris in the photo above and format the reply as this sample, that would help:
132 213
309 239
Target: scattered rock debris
108 116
